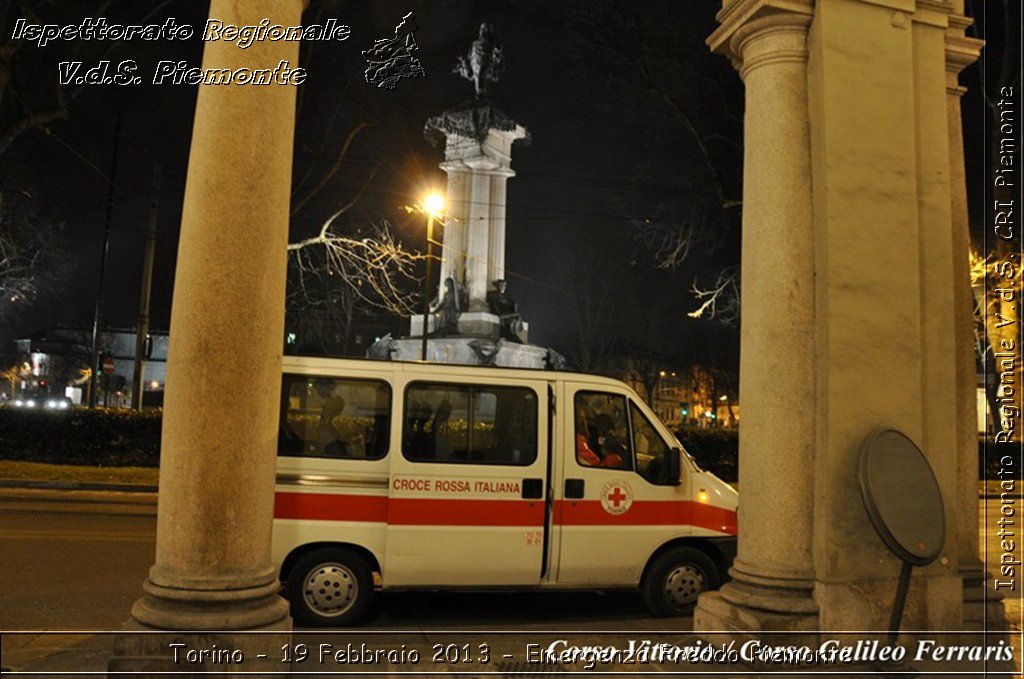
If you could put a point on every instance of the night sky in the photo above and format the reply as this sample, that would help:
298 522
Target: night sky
605 152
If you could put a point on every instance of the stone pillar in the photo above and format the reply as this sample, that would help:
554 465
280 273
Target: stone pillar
849 303
962 51
213 569
478 231
496 249
453 234
773 575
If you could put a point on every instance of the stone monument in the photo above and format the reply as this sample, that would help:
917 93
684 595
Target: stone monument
474 319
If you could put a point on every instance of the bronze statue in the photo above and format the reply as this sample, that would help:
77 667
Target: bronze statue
483 64
504 307
486 351
452 304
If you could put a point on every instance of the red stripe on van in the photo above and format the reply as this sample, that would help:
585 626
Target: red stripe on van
646 513
463 512
407 511
330 507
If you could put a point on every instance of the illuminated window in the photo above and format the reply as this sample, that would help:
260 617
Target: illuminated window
462 423
651 450
334 417
602 431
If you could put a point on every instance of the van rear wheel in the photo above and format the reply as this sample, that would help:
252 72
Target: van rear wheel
676 579
330 587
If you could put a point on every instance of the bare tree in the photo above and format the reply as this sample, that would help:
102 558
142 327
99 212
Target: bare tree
376 269
645 53
30 260
593 304
14 374
995 325
721 301
332 276
29 102
353 264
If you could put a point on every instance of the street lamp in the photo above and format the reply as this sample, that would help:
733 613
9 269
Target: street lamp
433 205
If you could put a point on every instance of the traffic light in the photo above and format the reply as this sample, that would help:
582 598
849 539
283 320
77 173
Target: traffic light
684 408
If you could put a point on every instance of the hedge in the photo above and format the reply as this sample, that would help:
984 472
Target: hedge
716 450
100 437
119 438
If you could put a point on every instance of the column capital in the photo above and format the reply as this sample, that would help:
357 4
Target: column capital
961 51
742 22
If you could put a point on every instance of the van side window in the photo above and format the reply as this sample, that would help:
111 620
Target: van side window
651 450
334 417
602 431
461 423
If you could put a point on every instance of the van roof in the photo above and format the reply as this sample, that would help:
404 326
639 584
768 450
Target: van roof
411 367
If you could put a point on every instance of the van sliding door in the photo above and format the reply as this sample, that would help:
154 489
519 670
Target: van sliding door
466 496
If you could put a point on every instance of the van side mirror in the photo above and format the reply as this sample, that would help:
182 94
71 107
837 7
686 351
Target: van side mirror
675 467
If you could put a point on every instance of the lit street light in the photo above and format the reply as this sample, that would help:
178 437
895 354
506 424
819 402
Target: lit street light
433 205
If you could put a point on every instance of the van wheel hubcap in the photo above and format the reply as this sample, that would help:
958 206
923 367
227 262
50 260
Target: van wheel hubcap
330 589
683 585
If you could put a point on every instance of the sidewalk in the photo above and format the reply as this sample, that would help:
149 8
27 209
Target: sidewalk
64 498
88 652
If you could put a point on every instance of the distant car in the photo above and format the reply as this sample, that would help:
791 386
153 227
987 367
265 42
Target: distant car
60 403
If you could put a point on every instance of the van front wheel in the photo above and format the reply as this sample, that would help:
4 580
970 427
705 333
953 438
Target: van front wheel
676 579
330 587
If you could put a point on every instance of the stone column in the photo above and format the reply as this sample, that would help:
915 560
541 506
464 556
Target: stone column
773 575
850 307
496 250
453 234
213 569
478 232
962 51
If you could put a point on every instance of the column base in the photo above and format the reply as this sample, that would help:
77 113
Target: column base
750 604
714 613
983 605
222 622
148 652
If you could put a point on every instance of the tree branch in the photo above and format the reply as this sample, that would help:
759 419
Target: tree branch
298 204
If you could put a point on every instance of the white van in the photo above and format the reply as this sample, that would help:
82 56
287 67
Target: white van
428 476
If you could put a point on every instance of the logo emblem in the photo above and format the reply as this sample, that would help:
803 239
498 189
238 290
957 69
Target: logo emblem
616 497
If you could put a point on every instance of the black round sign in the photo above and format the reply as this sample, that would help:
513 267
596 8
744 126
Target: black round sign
902 497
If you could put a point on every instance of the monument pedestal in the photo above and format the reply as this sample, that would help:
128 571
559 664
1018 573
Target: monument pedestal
473 351
471 323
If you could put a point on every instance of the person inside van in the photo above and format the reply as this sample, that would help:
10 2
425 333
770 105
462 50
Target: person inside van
442 444
417 440
587 455
606 443
328 438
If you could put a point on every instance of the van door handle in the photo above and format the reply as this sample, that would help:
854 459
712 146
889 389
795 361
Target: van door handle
533 489
574 489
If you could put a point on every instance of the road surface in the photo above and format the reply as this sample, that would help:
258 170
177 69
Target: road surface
66 570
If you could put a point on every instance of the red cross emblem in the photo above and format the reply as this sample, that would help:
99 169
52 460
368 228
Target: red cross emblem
616 497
